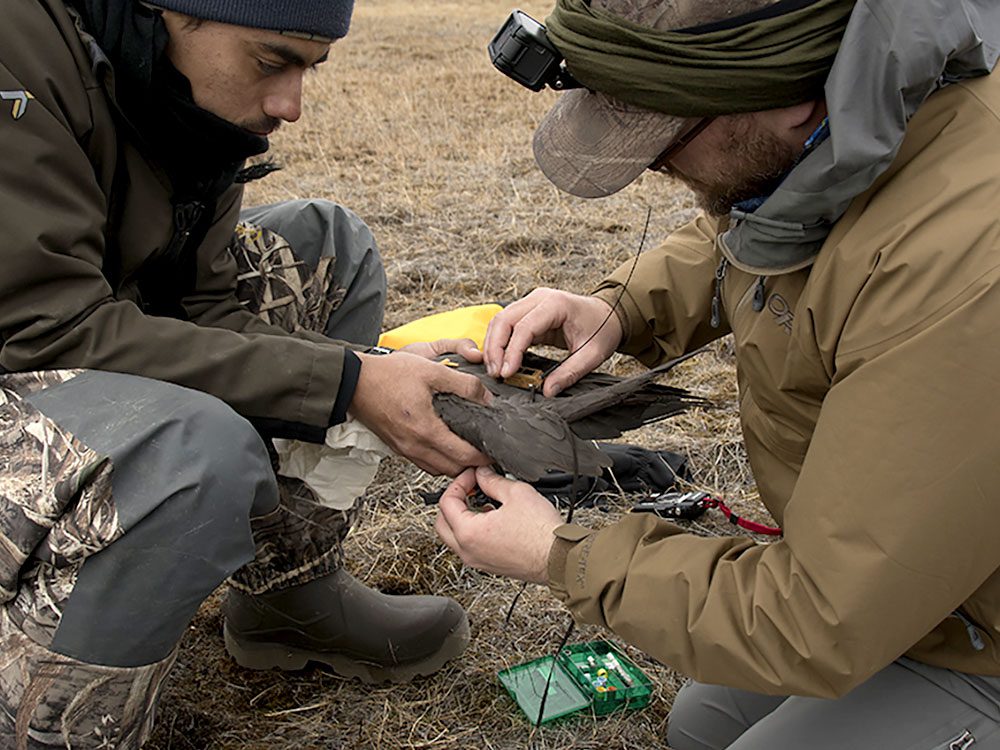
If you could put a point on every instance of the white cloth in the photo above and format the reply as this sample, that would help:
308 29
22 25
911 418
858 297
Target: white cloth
339 470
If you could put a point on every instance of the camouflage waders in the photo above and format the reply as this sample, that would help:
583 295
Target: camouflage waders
125 501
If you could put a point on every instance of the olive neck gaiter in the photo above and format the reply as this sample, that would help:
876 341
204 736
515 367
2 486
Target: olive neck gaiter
776 57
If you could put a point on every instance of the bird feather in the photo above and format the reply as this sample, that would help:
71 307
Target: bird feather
528 435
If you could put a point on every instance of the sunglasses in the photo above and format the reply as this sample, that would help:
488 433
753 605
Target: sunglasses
675 147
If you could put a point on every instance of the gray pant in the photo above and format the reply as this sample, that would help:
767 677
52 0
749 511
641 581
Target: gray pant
125 501
906 706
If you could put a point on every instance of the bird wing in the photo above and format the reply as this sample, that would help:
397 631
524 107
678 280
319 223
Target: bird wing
599 405
525 438
635 411
609 410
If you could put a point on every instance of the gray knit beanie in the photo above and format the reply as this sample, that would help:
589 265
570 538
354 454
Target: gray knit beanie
318 19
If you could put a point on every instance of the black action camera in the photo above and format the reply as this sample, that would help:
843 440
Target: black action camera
522 51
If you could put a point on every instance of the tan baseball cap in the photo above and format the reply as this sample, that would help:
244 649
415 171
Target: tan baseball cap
591 144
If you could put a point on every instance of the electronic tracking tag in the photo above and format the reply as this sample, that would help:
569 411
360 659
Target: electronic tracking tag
522 51
683 505
526 378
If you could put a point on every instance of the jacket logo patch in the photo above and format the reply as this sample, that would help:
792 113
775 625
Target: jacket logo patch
783 315
20 101
963 741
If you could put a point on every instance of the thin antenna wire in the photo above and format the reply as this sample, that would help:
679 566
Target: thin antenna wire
548 682
517 597
573 499
642 241
575 489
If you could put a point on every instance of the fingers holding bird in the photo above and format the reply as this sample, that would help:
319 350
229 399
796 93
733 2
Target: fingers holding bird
393 398
514 540
465 348
550 316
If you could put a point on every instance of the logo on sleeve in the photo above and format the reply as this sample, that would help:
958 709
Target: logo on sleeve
19 101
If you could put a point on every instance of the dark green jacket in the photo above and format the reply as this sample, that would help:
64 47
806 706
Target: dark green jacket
69 292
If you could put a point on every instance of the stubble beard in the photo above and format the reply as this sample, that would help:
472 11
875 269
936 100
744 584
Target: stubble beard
267 125
751 164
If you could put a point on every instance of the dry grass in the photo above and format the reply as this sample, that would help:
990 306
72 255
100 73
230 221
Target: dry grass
411 127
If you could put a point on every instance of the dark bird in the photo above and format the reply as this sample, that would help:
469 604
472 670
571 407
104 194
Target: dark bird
528 435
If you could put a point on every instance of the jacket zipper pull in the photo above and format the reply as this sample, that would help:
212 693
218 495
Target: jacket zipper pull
974 637
720 274
759 294
186 215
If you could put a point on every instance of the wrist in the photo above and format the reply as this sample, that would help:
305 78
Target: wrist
544 557
367 369
613 301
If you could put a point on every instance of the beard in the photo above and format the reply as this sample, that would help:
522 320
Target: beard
751 163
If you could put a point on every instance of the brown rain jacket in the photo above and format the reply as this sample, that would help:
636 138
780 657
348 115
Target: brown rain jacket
60 155
870 406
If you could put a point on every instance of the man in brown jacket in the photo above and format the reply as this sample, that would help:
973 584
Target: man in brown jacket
150 350
848 158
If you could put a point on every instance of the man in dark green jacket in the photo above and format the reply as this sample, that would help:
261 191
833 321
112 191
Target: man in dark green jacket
150 349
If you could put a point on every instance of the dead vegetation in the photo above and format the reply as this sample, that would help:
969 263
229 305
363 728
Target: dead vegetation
410 126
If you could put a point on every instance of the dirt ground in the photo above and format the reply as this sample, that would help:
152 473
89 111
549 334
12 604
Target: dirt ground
411 127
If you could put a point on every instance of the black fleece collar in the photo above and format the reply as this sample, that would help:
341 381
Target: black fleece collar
200 152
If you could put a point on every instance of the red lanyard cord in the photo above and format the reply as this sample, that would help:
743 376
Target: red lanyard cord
743 523
690 505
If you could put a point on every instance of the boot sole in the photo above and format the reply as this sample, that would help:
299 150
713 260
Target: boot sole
259 655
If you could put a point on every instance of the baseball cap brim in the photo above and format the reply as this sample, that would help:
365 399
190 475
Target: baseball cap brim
592 145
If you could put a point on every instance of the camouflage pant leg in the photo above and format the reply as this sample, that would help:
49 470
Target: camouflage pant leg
298 542
328 280
55 491
50 701
315 267
123 503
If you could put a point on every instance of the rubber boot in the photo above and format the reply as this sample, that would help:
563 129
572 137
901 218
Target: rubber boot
355 630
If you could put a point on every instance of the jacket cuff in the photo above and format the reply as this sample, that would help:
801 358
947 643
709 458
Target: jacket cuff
567 536
348 383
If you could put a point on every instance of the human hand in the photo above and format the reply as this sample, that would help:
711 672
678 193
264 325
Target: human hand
550 316
465 348
393 400
513 540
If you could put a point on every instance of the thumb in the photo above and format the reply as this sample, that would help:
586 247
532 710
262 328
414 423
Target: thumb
492 484
465 348
452 502
466 386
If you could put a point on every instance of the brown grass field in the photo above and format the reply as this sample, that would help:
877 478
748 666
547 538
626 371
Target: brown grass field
411 127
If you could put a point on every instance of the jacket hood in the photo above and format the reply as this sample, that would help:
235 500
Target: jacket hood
895 53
